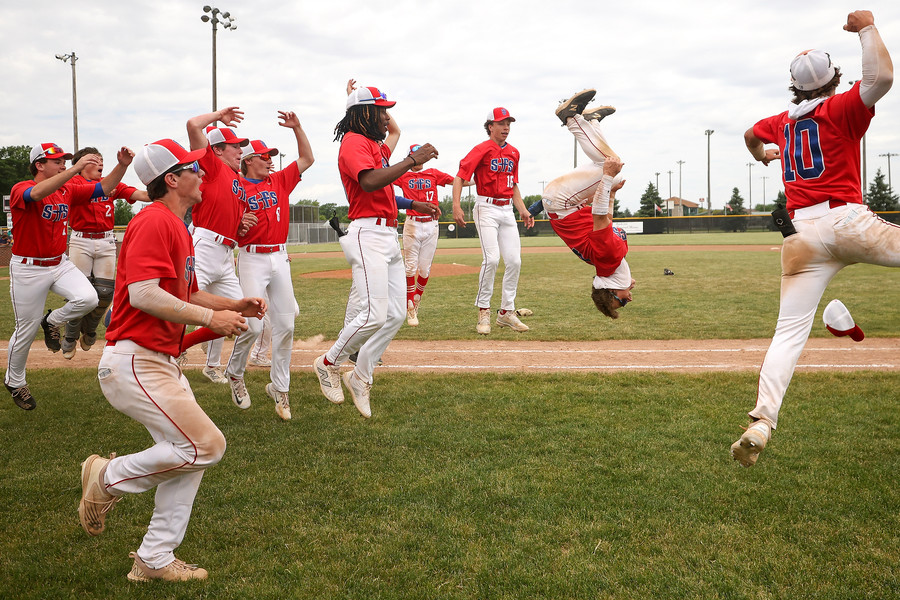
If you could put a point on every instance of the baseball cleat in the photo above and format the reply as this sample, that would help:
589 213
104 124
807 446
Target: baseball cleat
329 380
352 358
22 397
239 394
746 450
598 113
359 391
412 315
68 348
181 361
177 570
484 321
282 402
259 362
95 500
511 320
215 374
51 334
574 105
88 340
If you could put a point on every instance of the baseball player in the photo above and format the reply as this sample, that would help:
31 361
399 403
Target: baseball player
376 307
156 296
217 220
420 232
495 166
263 263
39 265
827 226
92 248
580 206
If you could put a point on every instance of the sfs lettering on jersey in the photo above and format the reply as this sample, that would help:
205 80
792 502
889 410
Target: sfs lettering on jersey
189 270
55 212
420 184
503 165
238 190
262 200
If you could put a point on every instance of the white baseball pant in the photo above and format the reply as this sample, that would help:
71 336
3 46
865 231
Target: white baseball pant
95 257
567 193
419 245
28 289
150 388
499 237
377 305
214 267
267 275
827 240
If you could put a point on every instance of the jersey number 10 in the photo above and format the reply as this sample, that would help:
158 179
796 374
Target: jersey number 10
802 152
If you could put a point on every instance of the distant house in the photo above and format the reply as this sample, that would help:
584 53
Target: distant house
679 207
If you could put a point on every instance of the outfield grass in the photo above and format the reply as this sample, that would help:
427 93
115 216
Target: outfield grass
480 486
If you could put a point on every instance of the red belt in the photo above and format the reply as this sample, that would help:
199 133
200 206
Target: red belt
831 204
498 201
423 219
386 222
42 262
92 235
225 241
261 249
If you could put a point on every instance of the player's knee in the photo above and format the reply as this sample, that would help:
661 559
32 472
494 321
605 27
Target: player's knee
85 303
210 447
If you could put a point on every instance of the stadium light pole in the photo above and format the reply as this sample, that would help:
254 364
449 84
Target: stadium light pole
280 156
227 20
670 183
72 58
889 155
657 182
764 177
708 133
750 187
680 162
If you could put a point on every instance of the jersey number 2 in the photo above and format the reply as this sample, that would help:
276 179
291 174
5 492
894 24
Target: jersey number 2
802 152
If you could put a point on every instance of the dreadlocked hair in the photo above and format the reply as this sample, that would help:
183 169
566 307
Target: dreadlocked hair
606 302
362 119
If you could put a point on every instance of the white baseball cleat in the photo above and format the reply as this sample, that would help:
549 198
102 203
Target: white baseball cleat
177 570
746 450
412 314
484 321
282 403
215 374
511 320
598 113
69 347
524 312
259 362
239 394
574 105
329 380
359 391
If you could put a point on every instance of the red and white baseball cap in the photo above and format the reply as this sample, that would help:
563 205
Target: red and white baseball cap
257 148
155 159
368 95
811 69
499 114
839 321
415 147
48 150
224 135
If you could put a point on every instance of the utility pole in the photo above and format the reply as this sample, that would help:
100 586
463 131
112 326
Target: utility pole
889 155
750 187
227 22
72 58
680 162
708 133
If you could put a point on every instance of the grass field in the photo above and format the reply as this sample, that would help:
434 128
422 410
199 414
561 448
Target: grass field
500 486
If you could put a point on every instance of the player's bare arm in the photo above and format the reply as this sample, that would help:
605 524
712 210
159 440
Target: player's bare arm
426 208
527 219
248 220
196 126
44 188
124 157
458 214
290 120
758 149
859 19
375 179
393 133
248 307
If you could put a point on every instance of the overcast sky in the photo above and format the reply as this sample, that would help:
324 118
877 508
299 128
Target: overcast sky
672 69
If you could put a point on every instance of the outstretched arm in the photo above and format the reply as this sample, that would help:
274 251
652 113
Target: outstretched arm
304 150
758 149
109 183
48 186
196 126
877 68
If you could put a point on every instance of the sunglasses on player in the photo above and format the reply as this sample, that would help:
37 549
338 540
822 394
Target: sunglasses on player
194 167
622 301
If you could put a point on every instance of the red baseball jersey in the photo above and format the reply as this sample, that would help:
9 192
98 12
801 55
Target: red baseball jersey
604 248
422 186
269 199
153 228
495 169
224 200
98 215
358 153
41 227
820 151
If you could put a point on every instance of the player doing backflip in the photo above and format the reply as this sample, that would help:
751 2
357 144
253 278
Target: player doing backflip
818 143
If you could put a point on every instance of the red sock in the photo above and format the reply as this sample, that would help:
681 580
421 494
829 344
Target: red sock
410 288
420 288
327 362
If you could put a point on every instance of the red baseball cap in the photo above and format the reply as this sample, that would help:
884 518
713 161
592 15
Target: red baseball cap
368 95
155 159
257 148
49 150
415 147
224 135
500 114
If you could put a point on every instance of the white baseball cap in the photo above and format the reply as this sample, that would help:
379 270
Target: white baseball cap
811 70
155 159
257 148
368 95
224 135
839 321
48 150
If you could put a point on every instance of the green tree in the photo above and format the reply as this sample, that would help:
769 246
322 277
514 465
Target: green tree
327 210
880 196
649 201
124 213
736 203
13 169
